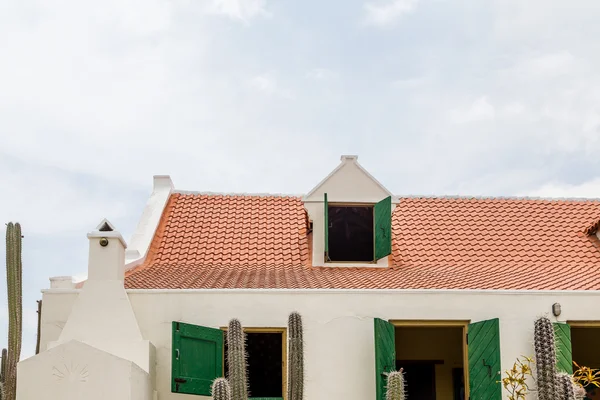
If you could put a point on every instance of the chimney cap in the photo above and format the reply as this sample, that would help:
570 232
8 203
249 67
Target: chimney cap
350 157
106 230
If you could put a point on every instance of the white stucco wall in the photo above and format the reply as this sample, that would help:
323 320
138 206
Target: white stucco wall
339 348
77 371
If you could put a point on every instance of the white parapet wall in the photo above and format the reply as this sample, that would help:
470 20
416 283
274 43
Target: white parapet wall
77 371
96 350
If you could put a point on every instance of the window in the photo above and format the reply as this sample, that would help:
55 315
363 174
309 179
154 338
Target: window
357 232
266 366
199 355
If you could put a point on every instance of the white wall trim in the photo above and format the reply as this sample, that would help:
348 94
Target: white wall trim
146 228
352 291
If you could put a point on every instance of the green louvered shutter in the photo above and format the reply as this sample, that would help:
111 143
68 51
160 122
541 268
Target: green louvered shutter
562 334
383 228
385 354
484 360
326 224
197 358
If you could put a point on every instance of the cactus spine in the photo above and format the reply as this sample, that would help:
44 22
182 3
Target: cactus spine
295 358
395 389
220 389
14 292
236 357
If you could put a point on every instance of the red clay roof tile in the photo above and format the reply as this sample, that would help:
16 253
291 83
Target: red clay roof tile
218 241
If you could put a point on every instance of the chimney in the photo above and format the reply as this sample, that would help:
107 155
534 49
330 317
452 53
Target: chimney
107 253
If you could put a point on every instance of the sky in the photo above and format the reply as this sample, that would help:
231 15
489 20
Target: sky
436 97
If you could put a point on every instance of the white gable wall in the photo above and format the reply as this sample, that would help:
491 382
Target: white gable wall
339 341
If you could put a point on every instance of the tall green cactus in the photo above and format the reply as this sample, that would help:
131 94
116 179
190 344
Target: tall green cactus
14 292
545 359
220 389
395 389
295 358
236 357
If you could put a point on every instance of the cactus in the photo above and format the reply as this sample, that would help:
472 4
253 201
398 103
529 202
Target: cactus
220 389
236 357
295 358
14 292
566 387
3 365
545 359
395 389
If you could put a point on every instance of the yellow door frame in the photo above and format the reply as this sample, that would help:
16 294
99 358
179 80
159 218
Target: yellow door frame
283 332
583 324
424 323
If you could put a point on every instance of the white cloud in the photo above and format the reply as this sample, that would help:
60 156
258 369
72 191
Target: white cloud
589 189
243 10
479 110
268 85
386 12
322 74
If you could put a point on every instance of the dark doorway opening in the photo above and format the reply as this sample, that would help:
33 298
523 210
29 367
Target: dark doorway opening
264 351
351 233
420 378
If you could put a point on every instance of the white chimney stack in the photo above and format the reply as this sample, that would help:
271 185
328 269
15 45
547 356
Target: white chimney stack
107 253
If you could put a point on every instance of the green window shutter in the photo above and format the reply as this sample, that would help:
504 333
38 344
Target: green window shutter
484 360
197 358
562 334
383 228
326 223
385 354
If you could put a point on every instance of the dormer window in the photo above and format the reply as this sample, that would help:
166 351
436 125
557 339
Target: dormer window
357 233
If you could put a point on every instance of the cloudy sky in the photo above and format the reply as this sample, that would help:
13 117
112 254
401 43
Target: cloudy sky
472 97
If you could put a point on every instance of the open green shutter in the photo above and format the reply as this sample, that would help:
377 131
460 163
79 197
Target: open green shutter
383 228
326 224
564 356
385 354
484 360
197 358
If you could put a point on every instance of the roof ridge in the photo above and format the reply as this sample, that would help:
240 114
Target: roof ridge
236 194
408 196
483 197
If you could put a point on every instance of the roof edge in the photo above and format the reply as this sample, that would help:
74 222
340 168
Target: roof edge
510 292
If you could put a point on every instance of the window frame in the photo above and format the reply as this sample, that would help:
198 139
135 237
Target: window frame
284 343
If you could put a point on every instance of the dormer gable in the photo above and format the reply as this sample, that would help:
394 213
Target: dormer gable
350 213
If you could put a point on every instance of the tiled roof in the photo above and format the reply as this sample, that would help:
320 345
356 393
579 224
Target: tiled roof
219 241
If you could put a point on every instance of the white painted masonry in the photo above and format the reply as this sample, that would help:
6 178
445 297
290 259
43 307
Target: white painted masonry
99 337
339 341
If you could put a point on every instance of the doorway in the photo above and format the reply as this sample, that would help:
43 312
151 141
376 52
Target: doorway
433 357
584 337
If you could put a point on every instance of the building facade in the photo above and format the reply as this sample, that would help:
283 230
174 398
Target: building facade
446 288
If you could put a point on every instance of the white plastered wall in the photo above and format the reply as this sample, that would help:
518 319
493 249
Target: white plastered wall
348 183
339 343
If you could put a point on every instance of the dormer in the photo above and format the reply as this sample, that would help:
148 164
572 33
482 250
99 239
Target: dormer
351 216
